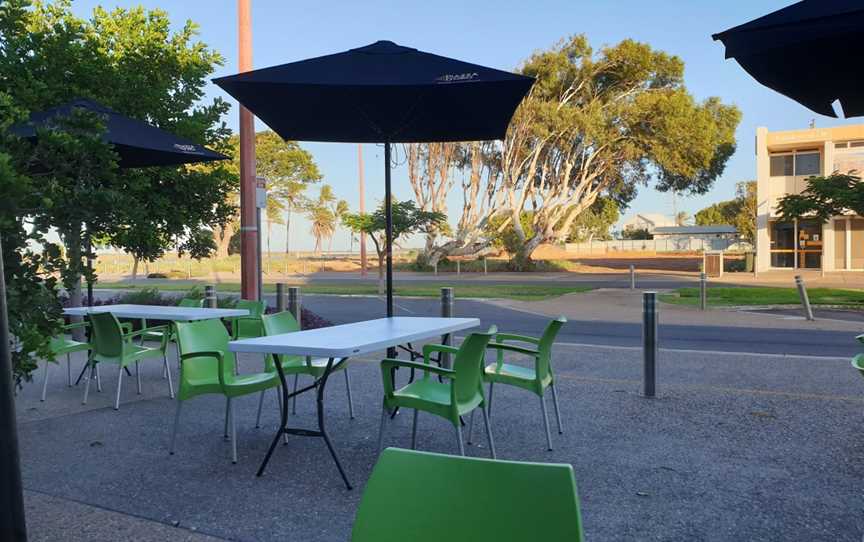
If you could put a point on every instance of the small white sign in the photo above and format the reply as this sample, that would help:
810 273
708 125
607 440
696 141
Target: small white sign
260 192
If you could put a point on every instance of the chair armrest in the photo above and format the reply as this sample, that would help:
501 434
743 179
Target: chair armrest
860 338
388 364
126 327
858 362
163 329
429 348
501 337
514 348
74 325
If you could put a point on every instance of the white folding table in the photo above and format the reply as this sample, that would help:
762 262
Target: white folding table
341 342
157 312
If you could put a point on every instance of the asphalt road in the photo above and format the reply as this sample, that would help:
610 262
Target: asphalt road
340 309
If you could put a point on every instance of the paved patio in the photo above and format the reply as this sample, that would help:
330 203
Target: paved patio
735 446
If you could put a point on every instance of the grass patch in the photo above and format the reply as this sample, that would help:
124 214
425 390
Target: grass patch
526 292
720 297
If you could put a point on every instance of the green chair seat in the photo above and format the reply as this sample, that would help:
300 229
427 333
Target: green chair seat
516 375
427 497
447 393
66 345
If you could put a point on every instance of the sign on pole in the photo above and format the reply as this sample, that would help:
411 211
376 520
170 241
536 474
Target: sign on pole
260 192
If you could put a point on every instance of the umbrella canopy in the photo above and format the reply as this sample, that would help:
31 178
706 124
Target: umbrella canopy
808 51
381 93
137 143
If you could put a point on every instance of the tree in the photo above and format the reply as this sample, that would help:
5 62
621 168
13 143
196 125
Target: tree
825 197
739 212
289 170
636 234
594 124
322 216
340 209
130 61
595 222
408 219
682 218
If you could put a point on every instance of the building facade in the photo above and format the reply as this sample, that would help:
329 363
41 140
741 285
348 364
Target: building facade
784 161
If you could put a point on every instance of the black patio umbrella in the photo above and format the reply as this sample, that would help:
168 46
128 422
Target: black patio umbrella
809 51
137 143
381 93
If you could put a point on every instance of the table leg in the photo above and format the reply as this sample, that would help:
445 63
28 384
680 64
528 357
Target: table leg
319 385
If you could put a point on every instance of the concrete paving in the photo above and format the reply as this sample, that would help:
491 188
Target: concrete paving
735 446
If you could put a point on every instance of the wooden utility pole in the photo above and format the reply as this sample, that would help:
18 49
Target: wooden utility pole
362 210
248 224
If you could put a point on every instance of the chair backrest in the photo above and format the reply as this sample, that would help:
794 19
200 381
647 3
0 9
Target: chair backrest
255 308
422 496
203 336
281 322
544 348
107 335
189 302
468 364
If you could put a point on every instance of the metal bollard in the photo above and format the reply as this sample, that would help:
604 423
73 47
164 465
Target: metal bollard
280 297
210 300
447 306
458 268
294 304
649 343
632 277
435 267
805 299
485 269
703 291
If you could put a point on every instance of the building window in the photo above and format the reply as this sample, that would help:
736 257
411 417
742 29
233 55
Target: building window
782 165
796 163
782 244
803 251
849 160
807 164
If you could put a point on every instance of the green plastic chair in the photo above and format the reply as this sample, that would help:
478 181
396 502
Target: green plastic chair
284 322
535 379
858 360
111 343
207 367
426 497
248 327
64 344
458 393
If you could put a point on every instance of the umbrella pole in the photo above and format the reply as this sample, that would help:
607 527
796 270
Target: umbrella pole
388 213
12 526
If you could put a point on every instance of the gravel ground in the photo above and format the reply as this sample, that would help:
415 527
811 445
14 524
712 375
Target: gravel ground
735 446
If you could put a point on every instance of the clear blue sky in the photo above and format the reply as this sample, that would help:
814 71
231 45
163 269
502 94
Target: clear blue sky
497 33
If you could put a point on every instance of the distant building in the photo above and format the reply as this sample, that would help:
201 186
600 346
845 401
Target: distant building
784 161
696 232
648 221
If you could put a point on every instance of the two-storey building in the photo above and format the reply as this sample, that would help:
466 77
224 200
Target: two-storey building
784 160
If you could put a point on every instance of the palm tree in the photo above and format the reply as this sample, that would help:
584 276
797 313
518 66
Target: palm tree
682 218
339 210
323 224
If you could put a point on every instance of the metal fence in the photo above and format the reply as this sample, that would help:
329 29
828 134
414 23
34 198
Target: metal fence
679 244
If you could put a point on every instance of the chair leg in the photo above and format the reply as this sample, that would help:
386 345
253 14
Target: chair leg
90 376
232 415
459 438
176 425
348 388
45 380
138 377
490 400
557 410
260 405
414 430
119 386
168 372
98 379
488 432
294 399
471 428
546 424
381 430
227 415
69 370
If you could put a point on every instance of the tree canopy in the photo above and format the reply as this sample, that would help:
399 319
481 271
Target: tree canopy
825 197
739 212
